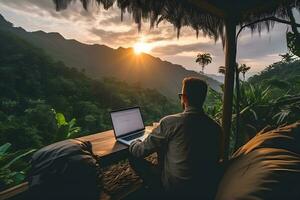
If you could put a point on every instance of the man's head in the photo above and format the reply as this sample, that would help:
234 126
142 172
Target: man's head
194 92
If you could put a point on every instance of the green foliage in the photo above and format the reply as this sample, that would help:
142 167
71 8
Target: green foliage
293 43
66 129
284 77
12 171
213 105
260 108
289 109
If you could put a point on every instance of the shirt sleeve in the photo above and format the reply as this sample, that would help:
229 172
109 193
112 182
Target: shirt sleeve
155 140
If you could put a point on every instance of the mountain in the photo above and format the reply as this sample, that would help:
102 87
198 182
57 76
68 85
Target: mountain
98 61
219 78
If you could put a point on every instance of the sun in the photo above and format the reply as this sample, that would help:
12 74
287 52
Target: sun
141 47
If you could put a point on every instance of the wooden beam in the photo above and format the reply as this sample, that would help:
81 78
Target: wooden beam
14 191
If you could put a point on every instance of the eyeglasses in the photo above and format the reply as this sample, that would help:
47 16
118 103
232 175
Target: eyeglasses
180 96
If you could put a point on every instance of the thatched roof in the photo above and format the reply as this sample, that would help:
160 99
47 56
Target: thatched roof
202 15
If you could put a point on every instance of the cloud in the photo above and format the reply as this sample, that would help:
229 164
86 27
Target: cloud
254 46
194 47
115 19
127 32
115 37
46 8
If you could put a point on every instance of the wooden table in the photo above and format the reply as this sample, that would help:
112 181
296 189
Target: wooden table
104 143
107 148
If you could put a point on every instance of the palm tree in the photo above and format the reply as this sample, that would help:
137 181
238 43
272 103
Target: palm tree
216 19
222 70
203 59
244 69
286 58
293 39
293 44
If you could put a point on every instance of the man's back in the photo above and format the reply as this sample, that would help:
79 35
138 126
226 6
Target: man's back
188 145
190 158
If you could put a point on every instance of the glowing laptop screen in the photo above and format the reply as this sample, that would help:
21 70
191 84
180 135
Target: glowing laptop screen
127 121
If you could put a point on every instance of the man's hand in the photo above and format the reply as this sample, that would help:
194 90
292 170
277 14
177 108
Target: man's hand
153 142
135 141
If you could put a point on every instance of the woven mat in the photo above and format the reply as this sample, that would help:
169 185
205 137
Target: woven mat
120 178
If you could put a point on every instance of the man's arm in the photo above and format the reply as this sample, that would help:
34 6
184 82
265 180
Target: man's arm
155 140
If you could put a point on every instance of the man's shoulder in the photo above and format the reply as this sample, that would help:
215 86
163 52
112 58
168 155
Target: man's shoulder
171 119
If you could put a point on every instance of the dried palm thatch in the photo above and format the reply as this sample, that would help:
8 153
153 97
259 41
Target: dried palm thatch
284 137
206 16
218 19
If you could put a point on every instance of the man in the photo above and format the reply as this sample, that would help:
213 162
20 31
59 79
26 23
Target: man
188 145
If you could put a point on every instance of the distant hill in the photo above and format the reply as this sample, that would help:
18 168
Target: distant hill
219 78
98 61
281 75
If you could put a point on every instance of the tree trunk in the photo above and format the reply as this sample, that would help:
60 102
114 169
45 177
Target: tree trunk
293 23
238 97
230 62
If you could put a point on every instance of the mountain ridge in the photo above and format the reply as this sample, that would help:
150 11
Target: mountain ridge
99 61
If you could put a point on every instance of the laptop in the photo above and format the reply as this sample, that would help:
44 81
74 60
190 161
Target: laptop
128 125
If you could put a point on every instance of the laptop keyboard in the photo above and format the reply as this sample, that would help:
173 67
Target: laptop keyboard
132 137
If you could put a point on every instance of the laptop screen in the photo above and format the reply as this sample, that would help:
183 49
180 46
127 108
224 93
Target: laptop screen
127 121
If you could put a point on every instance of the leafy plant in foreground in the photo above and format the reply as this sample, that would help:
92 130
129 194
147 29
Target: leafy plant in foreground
66 129
289 109
261 109
12 172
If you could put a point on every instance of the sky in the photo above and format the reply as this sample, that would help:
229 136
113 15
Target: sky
99 26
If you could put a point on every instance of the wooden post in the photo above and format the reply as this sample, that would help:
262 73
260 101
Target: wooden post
230 62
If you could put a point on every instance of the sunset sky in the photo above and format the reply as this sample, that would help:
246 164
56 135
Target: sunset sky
105 27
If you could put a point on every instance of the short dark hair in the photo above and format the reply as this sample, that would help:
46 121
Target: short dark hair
195 90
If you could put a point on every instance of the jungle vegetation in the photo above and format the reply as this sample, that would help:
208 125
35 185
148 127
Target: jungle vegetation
43 101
